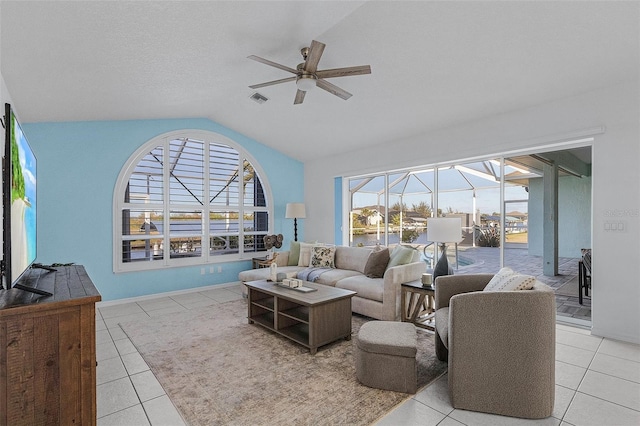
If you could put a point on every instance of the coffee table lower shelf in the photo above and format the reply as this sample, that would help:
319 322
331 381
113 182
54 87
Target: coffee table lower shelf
310 319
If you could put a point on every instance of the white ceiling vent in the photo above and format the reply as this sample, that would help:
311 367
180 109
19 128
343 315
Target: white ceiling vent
257 97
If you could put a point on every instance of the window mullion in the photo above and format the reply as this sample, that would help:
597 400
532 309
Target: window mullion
241 205
206 217
166 185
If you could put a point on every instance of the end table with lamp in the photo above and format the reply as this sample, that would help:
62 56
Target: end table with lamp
417 302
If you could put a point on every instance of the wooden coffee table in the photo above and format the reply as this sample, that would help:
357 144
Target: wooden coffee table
310 319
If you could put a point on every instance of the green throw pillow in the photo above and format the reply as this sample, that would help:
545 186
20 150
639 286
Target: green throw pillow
294 253
401 255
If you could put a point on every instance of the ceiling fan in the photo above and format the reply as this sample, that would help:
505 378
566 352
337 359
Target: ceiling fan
307 75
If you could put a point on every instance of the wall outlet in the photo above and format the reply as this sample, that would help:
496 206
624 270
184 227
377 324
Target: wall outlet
219 269
202 271
211 270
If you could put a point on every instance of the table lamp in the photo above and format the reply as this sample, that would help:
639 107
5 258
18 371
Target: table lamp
443 230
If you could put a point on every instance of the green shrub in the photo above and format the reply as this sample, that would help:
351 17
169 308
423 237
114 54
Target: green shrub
410 235
489 237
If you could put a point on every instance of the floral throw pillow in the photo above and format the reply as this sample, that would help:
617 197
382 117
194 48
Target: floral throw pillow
323 257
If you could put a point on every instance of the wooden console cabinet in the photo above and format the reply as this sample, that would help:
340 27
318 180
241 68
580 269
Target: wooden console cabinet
48 350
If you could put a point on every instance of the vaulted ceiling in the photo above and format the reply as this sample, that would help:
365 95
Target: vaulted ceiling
434 63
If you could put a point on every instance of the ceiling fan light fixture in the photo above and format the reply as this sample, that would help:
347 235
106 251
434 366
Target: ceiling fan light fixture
306 82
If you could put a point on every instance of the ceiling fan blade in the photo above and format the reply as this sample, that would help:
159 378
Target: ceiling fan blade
271 63
344 72
299 97
333 89
315 52
271 83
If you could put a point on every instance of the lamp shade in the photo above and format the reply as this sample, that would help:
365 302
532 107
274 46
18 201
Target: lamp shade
295 211
444 229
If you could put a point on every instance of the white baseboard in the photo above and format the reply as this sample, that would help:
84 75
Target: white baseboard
165 294
574 322
616 336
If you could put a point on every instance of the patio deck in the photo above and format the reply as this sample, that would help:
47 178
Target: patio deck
516 256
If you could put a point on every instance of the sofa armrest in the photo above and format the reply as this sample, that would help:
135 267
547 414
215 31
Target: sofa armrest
395 276
449 285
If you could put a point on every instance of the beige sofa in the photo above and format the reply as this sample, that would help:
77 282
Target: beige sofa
500 346
377 298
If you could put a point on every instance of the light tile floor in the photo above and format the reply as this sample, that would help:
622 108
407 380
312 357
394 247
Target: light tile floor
597 380
128 393
597 383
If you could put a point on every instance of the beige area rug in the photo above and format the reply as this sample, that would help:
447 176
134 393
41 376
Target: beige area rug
219 370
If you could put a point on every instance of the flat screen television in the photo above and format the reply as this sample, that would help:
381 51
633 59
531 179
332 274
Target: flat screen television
19 205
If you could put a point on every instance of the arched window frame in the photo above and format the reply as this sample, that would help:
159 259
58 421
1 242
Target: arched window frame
166 206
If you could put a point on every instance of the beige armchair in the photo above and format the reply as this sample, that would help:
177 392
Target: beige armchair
500 346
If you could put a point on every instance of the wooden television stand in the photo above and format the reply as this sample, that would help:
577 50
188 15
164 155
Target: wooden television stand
48 350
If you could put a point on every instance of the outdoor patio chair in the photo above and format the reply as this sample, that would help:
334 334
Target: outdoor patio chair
584 274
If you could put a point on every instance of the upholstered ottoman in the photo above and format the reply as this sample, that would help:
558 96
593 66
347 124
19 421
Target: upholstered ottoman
386 356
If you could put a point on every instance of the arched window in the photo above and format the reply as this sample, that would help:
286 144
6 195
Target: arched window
188 198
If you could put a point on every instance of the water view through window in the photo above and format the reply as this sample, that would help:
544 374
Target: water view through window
188 200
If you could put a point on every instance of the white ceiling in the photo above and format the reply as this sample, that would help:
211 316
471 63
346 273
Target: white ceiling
434 64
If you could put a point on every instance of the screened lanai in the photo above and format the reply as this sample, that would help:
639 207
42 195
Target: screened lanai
535 220
393 207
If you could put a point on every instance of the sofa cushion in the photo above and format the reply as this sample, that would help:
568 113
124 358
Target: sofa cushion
377 263
508 280
305 254
367 288
282 258
401 255
332 276
294 253
352 258
323 257
264 273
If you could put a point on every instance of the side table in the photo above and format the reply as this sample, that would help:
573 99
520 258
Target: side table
256 262
417 303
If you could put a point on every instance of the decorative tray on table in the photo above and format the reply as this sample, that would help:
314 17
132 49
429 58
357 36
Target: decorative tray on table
300 289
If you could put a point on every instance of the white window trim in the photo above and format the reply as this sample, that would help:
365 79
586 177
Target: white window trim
121 185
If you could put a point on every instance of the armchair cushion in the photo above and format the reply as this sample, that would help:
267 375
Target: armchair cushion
508 280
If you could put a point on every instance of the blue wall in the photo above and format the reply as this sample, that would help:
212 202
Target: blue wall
574 216
337 200
78 164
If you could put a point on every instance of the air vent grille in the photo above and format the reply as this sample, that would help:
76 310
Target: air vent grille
257 97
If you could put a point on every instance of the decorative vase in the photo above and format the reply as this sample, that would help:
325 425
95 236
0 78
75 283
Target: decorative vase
442 267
